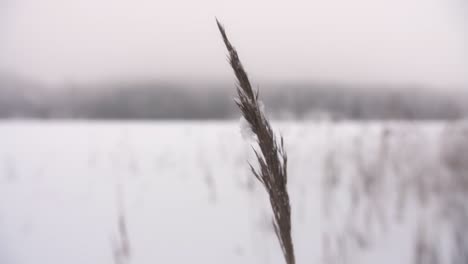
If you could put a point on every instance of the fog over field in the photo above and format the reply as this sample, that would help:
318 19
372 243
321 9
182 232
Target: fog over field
155 100
355 60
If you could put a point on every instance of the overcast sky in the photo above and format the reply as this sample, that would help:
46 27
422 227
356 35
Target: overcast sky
360 41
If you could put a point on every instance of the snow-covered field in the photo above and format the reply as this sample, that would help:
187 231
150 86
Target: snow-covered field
360 193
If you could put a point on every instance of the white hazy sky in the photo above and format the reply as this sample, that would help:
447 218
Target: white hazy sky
362 41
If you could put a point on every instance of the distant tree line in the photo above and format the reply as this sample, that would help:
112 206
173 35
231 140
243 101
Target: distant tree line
159 100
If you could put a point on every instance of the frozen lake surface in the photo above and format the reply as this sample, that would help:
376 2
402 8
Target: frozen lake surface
360 193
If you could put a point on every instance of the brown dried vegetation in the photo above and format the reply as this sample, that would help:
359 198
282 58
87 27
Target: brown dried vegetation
271 155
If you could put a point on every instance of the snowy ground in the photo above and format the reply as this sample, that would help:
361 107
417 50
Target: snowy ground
188 197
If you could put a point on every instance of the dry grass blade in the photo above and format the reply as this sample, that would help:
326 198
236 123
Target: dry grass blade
271 156
121 247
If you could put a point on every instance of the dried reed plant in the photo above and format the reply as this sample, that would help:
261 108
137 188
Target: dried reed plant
121 246
271 156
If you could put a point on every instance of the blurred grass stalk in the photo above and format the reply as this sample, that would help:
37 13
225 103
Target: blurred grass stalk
271 156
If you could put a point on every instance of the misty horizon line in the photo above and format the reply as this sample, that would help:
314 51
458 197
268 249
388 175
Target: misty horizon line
68 83
209 100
